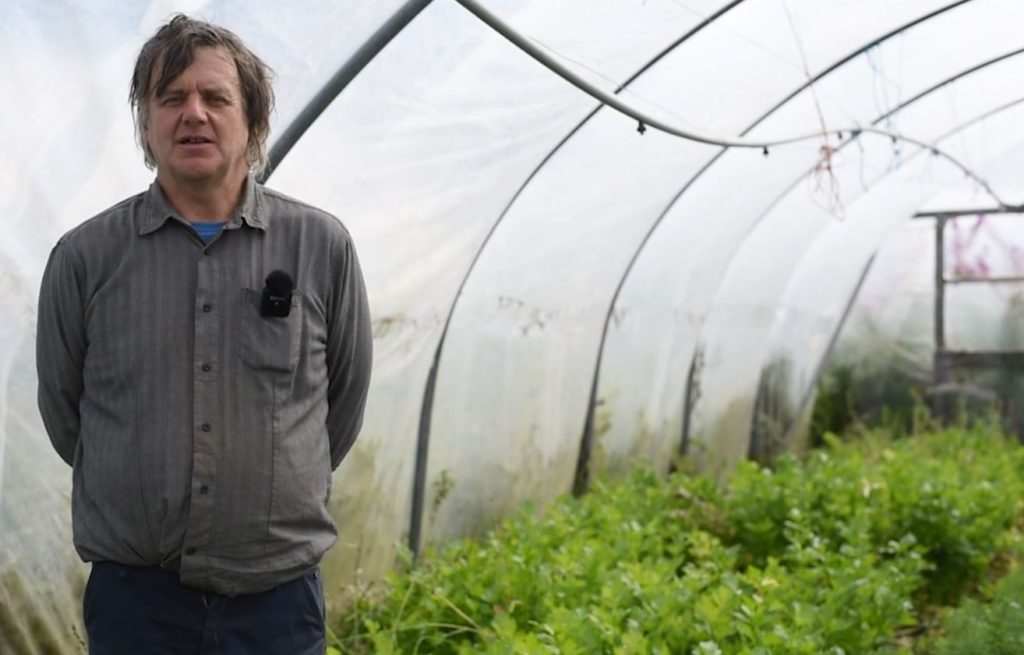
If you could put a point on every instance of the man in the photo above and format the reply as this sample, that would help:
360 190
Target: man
204 354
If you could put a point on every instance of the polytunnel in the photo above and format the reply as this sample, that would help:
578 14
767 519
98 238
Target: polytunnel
594 235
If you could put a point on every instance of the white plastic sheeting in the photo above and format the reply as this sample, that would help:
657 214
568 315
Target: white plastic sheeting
420 176
583 216
738 329
518 241
668 292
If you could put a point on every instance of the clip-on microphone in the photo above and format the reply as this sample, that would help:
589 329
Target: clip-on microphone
277 295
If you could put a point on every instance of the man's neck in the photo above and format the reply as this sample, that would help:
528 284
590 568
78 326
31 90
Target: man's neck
202 202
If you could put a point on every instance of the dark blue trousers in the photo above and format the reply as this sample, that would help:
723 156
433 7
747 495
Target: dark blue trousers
132 610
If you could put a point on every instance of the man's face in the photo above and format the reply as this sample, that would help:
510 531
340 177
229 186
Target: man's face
197 128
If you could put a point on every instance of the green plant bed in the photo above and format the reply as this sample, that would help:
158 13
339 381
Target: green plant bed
837 553
995 627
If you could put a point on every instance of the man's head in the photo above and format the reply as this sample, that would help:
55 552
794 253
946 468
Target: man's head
202 101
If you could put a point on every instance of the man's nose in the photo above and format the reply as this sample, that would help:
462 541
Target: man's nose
194 110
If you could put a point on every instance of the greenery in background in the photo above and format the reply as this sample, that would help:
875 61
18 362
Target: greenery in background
835 554
992 628
833 405
848 397
845 400
27 611
949 491
774 412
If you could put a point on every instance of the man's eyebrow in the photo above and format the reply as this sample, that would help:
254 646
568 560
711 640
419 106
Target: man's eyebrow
222 90
172 89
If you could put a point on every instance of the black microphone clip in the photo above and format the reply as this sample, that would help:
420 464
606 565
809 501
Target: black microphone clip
277 295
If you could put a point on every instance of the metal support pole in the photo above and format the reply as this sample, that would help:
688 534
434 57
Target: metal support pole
941 368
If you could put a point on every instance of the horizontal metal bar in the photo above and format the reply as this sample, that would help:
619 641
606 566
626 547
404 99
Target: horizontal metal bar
981 359
951 213
970 390
982 280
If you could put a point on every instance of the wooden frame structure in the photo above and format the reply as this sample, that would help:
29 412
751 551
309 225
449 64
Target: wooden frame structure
946 360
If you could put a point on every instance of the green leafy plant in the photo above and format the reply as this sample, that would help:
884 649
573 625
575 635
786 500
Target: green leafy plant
954 492
988 628
831 554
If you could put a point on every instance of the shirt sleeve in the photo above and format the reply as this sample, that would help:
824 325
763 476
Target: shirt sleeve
349 353
60 349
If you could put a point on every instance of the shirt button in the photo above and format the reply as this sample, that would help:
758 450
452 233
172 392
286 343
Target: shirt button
204 489
190 550
206 367
205 427
207 307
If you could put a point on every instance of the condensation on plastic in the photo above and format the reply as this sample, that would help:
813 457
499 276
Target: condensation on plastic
890 323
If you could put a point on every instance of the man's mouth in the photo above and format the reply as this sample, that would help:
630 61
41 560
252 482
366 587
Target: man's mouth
193 140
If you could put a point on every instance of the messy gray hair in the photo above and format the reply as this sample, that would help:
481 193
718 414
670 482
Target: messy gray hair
173 48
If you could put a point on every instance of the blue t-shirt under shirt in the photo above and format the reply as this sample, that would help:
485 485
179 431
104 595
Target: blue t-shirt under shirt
207 229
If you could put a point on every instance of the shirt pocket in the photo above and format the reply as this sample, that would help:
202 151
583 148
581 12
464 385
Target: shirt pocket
269 343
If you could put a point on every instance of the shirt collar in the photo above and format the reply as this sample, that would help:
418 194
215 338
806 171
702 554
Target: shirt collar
157 210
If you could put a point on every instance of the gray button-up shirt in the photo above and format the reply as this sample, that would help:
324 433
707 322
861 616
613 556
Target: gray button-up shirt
203 434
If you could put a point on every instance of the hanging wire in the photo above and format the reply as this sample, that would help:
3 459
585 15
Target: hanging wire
954 110
554 65
882 82
823 170
742 37
718 26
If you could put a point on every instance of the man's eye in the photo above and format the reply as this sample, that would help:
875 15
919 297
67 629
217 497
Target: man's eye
170 100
